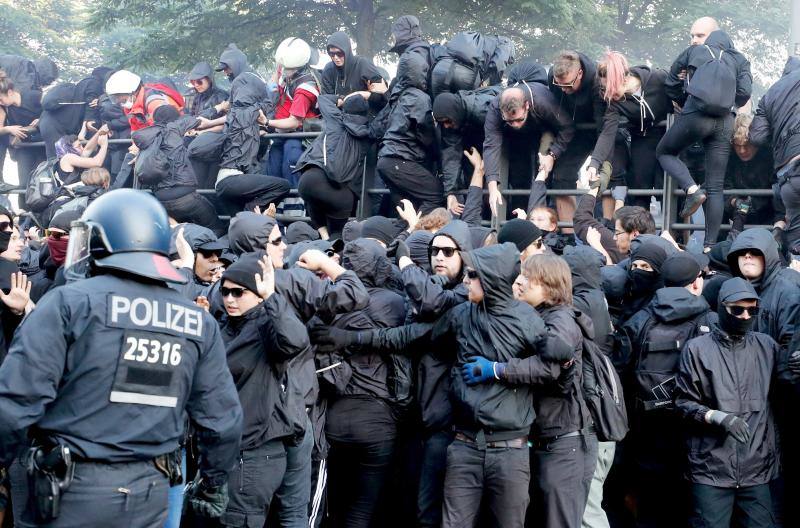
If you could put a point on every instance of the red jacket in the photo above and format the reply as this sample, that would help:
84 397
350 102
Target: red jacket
150 97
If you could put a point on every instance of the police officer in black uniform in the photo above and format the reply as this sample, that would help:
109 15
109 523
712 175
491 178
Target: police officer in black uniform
98 378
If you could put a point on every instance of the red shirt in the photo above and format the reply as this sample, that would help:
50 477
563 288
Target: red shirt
302 106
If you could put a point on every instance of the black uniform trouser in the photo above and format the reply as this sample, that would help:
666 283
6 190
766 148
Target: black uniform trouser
747 507
131 494
196 209
715 133
411 181
431 478
328 203
245 191
562 475
358 473
495 477
252 485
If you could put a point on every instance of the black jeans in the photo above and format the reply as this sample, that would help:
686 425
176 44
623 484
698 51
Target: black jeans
411 181
328 203
496 477
252 484
205 152
641 166
748 507
245 191
715 134
196 209
357 476
562 475
431 478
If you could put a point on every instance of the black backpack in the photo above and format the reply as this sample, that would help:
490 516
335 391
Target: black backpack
152 164
602 391
713 85
658 360
43 186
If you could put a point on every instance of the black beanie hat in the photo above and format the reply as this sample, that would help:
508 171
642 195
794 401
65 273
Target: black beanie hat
651 253
680 269
165 114
448 106
243 272
355 105
519 232
380 228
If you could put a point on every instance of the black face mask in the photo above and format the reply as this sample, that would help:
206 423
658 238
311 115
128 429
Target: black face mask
732 324
644 282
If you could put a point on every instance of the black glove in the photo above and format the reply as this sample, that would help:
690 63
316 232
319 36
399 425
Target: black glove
330 338
398 249
737 428
794 362
204 500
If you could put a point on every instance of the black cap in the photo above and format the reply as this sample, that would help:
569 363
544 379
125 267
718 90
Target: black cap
680 269
519 232
200 70
736 289
300 231
198 238
243 272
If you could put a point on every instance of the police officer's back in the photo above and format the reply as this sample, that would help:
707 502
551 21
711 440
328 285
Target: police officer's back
101 373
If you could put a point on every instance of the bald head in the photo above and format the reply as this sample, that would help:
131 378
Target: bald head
514 107
701 29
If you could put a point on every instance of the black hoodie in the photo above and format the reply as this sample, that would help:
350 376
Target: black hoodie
586 105
585 264
694 56
780 298
777 121
203 103
351 77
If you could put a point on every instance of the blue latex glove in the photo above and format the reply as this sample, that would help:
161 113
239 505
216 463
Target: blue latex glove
478 370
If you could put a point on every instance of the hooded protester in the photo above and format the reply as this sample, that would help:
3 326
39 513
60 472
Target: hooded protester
654 338
299 232
52 259
418 243
205 92
695 123
11 313
262 335
587 292
718 272
332 169
775 124
173 181
723 391
346 73
409 139
637 105
644 278
461 118
407 40
519 116
361 423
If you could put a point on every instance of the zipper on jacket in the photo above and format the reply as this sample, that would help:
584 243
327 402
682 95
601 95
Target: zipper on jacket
241 473
739 397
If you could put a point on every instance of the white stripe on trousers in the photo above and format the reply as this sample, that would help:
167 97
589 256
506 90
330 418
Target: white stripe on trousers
322 481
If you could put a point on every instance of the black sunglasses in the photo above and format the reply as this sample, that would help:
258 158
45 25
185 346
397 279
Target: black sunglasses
568 85
472 274
277 241
738 311
448 251
208 254
333 54
234 292
55 235
6 226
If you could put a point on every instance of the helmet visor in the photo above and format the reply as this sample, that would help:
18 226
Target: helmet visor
78 248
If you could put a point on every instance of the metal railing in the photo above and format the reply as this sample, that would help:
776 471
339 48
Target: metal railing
667 194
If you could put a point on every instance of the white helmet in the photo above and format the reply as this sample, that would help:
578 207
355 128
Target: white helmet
122 82
293 53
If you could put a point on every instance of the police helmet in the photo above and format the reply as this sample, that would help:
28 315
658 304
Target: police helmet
125 230
122 82
293 53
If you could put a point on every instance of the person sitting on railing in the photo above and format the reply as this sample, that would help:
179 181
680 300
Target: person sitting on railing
206 94
346 73
638 105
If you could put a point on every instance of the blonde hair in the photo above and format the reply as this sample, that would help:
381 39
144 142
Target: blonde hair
741 129
552 273
96 176
435 220
566 62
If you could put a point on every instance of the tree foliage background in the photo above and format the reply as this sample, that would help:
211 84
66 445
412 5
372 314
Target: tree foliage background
169 36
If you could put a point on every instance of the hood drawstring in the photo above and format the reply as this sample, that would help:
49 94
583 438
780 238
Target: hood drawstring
644 108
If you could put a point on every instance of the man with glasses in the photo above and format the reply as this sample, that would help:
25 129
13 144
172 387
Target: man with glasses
573 83
723 391
528 109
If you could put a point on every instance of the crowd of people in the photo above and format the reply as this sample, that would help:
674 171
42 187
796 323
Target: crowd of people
574 367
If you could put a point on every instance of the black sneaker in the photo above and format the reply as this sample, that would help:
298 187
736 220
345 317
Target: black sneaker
693 202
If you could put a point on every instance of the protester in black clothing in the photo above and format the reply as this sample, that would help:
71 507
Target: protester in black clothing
638 104
332 169
175 185
723 390
564 452
525 235
654 338
206 94
774 123
528 109
15 289
113 117
573 81
20 108
406 40
404 157
718 272
461 117
643 279
694 124
346 73
587 292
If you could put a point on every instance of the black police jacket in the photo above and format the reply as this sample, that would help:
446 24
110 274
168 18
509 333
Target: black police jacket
110 366
259 346
732 375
